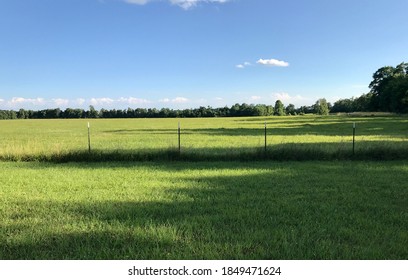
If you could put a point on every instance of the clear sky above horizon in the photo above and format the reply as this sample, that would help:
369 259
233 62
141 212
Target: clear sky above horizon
191 53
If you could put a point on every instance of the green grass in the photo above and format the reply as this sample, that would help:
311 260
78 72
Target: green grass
204 210
288 138
135 197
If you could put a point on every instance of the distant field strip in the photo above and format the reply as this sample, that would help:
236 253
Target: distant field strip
42 139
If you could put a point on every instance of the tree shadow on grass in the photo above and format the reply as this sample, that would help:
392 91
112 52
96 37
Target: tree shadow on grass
363 150
334 127
324 119
277 211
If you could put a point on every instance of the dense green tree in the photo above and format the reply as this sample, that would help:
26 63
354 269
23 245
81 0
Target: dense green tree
103 113
305 110
22 114
279 109
269 110
8 114
92 113
290 109
389 88
343 105
234 111
364 103
70 113
51 113
321 107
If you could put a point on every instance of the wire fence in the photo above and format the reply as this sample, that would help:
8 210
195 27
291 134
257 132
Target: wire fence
246 139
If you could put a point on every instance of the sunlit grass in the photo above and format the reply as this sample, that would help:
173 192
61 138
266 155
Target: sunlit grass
44 139
213 200
204 210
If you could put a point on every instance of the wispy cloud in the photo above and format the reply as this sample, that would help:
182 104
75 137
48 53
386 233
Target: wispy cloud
101 101
16 103
255 98
133 100
126 101
138 2
287 99
60 102
264 62
176 100
22 101
185 4
180 100
80 101
243 65
273 62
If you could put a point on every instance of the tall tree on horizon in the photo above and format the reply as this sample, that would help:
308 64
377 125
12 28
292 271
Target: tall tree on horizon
389 88
279 109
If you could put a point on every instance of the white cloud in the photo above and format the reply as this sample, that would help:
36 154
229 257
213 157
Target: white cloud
243 65
180 100
133 100
101 101
41 103
176 100
80 101
21 100
255 98
165 100
104 101
138 2
273 62
287 99
15 100
185 4
60 102
264 62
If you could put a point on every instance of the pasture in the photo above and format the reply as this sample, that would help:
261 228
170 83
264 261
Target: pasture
202 209
288 138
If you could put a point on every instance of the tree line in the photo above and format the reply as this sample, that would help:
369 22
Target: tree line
237 110
388 93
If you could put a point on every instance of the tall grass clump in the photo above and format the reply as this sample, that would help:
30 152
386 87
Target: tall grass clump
282 152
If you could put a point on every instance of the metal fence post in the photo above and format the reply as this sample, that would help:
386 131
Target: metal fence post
265 136
89 138
179 142
354 137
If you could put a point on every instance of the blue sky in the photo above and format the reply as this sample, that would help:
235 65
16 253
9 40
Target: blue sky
191 53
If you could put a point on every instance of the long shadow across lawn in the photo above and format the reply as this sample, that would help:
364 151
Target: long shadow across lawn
281 211
363 150
365 127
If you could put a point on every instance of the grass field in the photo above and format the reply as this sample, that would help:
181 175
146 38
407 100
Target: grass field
288 138
224 200
204 210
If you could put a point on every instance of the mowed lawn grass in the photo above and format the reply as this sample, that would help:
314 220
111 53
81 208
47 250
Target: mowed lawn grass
287 138
204 210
